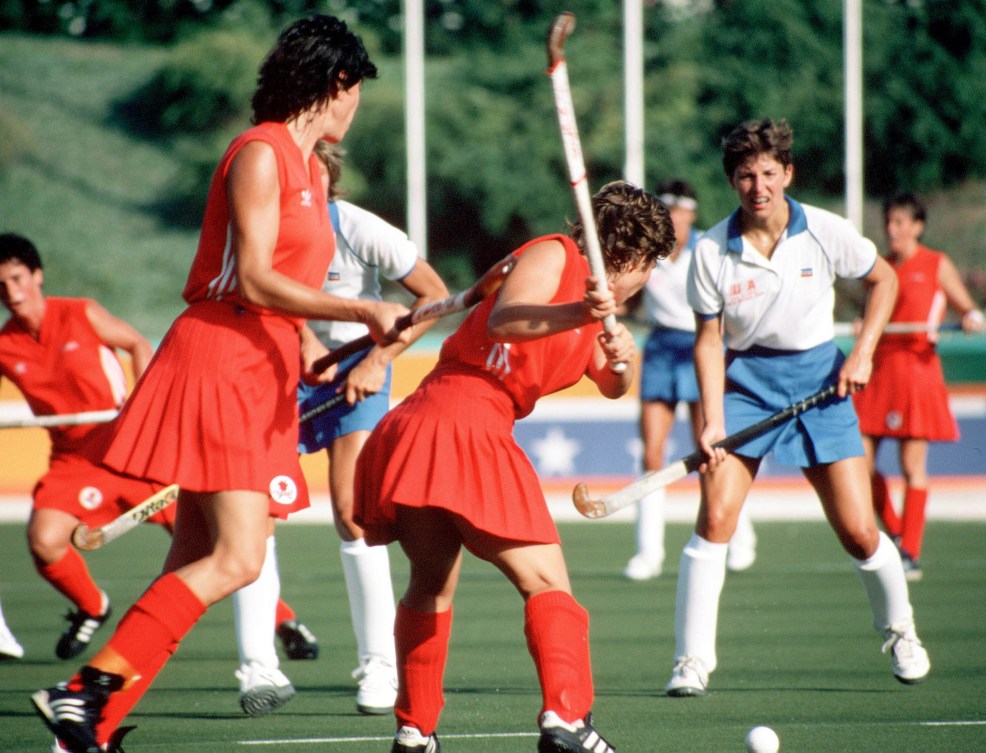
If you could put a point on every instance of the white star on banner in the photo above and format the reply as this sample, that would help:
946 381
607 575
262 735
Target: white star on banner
555 453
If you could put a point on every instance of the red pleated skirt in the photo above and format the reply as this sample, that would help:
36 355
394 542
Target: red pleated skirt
216 408
906 398
450 445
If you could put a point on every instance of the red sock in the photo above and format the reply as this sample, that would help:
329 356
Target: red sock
884 506
70 576
283 613
915 502
120 703
557 631
422 648
159 619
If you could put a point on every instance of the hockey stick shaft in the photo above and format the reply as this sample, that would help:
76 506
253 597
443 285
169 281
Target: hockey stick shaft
88 540
558 72
905 328
486 285
601 508
65 419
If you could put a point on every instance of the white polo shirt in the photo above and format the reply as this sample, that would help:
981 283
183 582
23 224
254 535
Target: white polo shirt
367 247
785 302
665 301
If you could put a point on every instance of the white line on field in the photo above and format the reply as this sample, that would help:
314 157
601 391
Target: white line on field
979 723
328 740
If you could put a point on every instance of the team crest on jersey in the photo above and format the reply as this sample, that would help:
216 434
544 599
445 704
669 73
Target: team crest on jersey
306 197
20 367
90 497
894 420
283 490
70 346
742 291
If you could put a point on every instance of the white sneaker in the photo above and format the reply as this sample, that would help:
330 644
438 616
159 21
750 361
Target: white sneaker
908 658
376 691
410 740
262 689
688 678
9 647
643 567
740 557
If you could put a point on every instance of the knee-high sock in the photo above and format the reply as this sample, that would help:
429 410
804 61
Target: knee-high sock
120 703
884 505
557 631
912 533
886 587
422 648
701 575
650 526
70 577
253 613
371 599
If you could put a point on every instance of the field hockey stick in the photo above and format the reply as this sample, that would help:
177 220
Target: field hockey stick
904 328
601 508
486 285
87 540
558 71
65 419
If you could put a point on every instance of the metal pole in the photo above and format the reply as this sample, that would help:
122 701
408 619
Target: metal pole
633 83
853 74
414 122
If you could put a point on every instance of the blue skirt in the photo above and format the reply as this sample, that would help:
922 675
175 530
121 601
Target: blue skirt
325 428
668 371
761 381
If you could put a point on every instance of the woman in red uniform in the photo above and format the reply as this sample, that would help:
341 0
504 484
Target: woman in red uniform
906 398
215 411
442 470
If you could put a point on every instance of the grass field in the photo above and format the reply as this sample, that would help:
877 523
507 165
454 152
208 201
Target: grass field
796 652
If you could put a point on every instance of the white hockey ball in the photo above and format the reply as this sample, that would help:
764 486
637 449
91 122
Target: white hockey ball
762 740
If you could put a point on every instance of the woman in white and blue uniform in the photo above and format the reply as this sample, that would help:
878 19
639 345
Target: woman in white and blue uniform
367 249
667 377
762 284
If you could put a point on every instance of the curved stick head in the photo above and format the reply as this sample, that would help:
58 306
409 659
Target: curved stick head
587 507
85 539
557 34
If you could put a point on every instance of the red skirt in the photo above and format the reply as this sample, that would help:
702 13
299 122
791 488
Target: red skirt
906 398
450 445
216 409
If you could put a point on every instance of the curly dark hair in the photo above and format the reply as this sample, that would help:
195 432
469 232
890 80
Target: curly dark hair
14 247
756 137
633 226
312 59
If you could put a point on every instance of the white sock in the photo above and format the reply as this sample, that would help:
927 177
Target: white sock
254 609
886 587
371 599
650 526
701 574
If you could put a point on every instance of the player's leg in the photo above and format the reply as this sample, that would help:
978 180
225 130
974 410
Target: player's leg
914 466
263 686
702 574
882 501
49 533
423 625
656 420
844 492
368 584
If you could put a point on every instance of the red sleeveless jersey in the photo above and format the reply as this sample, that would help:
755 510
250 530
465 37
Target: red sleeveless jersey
67 369
919 299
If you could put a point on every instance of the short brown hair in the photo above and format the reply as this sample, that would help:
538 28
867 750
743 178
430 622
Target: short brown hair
331 156
633 226
755 137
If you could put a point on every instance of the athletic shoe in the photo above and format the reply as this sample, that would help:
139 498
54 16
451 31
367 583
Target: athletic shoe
262 689
72 714
912 567
558 736
907 656
298 641
377 686
642 567
9 647
82 625
410 740
740 558
688 678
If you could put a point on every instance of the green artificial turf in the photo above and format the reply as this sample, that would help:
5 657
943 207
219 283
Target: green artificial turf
796 652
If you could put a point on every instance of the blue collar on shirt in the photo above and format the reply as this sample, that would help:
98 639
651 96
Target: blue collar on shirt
796 223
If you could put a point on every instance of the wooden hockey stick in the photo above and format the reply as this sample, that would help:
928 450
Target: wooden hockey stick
903 328
65 419
601 508
558 71
486 285
87 540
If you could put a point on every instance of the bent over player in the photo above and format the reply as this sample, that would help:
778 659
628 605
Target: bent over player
762 281
442 470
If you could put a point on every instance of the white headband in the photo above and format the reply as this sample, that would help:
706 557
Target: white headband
685 202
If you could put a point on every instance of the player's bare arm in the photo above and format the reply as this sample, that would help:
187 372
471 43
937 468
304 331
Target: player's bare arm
710 370
958 297
882 284
118 334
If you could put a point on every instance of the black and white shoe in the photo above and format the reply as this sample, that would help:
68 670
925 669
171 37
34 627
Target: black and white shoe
82 625
72 715
558 736
410 740
298 641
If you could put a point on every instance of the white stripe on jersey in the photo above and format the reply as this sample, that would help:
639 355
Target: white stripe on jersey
115 377
225 281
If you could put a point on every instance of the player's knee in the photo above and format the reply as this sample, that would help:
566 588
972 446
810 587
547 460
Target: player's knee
46 545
